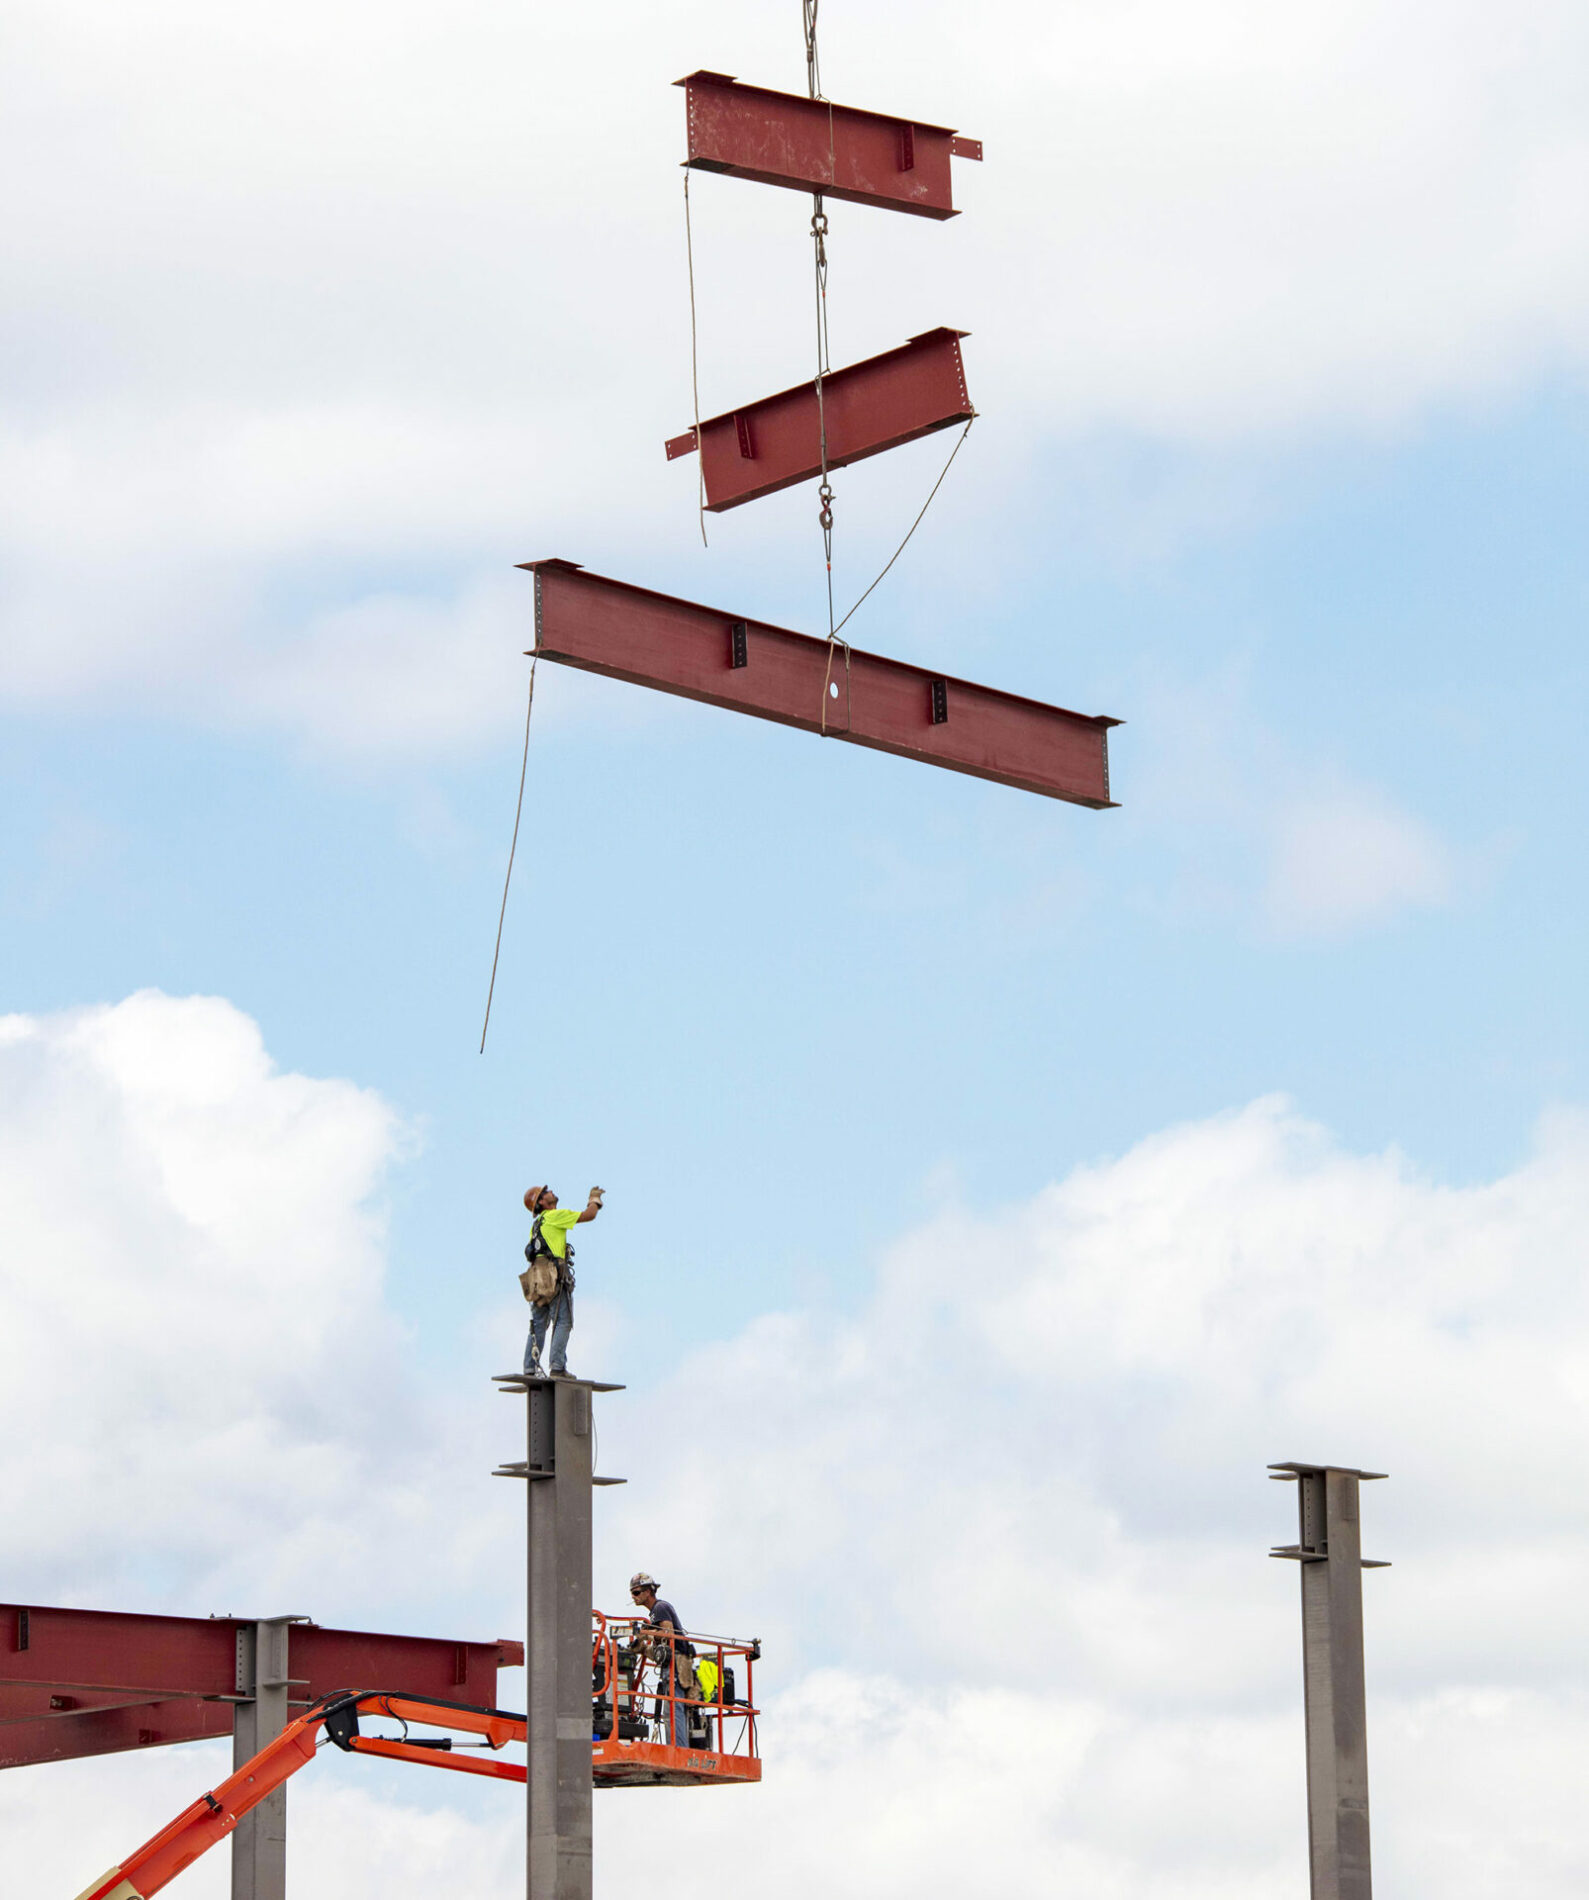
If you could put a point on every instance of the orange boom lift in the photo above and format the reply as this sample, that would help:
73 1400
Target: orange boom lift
631 1685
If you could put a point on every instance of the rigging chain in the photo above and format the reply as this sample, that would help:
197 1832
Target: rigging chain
819 248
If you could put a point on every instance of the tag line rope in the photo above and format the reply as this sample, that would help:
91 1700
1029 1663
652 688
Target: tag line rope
518 812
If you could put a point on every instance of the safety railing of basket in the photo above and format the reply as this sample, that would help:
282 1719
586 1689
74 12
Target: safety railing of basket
632 1665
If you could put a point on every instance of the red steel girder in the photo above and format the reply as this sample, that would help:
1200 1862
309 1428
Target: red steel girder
868 407
94 1682
630 633
779 138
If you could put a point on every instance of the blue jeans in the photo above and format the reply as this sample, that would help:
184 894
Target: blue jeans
560 1316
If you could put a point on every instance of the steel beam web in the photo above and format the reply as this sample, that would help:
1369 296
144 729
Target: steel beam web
743 665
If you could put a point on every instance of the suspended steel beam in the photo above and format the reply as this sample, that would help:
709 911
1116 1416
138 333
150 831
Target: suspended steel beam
779 138
630 633
866 407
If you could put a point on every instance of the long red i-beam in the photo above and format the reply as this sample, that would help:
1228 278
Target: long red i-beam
778 138
749 666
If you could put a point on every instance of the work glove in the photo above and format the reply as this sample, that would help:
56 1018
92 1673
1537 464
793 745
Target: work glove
596 1195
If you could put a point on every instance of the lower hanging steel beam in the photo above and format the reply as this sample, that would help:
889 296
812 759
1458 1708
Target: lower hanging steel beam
865 408
650 639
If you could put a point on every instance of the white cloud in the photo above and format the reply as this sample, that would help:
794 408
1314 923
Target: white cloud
1002 1523
322 312
1350 859
1017 1508
1281 839
193 1290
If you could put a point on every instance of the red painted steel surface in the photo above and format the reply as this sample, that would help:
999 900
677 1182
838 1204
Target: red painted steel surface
94 1682
869 406
780 138
651 639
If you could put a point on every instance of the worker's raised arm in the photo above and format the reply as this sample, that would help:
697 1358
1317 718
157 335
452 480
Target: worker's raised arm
592 1206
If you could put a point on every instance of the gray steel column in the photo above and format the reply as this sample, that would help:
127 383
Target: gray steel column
1329 1551
559 1466
259 1842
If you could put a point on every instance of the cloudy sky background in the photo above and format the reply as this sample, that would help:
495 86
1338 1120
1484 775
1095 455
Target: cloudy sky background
996 1188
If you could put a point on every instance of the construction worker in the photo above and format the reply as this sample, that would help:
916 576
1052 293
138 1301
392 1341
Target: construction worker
549 1246
673 1654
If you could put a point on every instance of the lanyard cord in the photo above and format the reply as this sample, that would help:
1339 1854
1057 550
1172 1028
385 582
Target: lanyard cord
518 813
695 369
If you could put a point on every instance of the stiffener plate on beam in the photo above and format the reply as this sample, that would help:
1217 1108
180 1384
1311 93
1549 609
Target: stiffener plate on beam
866 407
676 646
780 138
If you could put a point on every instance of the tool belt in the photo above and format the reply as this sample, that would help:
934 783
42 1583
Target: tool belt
546 1275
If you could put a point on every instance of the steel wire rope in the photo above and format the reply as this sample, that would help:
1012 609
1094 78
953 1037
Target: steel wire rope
819 245
695 374
518 813
916 523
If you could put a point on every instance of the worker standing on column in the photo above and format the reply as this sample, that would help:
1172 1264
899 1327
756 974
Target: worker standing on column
548 1281
673 1655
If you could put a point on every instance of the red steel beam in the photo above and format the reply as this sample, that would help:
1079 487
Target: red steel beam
630 633
779 138
866 407
93 1682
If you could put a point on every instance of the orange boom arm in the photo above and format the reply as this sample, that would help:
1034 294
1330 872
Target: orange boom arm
213 1816
625 1749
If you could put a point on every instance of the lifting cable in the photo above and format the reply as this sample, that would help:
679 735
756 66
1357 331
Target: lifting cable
518 812
917 522
695 367
819 247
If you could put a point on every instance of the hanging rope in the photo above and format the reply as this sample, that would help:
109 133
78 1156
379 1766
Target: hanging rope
819 234
695 376
917 522
808 10
518 812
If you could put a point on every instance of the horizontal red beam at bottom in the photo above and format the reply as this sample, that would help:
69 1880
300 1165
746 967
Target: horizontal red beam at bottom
113 1731
676 646
77 1682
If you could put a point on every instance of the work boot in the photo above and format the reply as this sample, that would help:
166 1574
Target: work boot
562 1372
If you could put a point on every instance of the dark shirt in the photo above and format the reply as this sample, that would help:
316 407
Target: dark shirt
664 1616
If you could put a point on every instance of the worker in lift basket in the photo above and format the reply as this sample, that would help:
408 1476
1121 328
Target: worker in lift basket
548 1282
675 1659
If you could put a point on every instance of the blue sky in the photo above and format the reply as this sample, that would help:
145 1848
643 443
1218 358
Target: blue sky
757 984
1243 1122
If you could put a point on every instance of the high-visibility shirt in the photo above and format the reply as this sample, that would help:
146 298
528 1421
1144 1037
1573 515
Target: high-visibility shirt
555 1223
